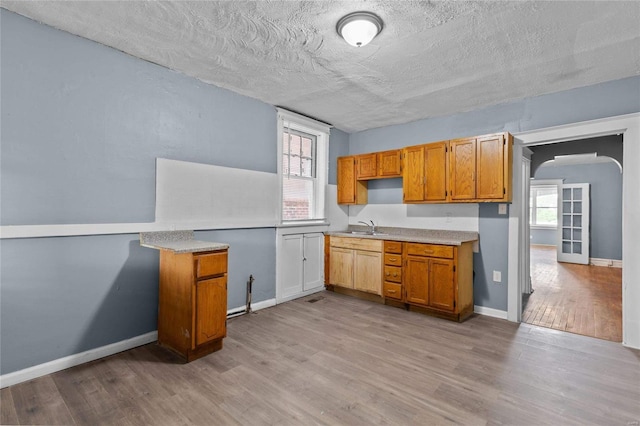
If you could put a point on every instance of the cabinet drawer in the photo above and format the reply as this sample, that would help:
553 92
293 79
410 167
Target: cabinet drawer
392 259
211 264
392 290
393 273
431 250
357 243
393 247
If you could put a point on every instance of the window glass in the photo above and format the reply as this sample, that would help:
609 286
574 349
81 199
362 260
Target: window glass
543 206
298 180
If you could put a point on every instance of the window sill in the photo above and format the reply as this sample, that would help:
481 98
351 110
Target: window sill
548 228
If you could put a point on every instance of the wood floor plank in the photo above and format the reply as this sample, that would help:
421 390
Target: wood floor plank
39 402
580 299
8 415
342 360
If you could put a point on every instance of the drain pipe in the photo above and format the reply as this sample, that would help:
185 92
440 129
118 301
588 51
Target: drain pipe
249 289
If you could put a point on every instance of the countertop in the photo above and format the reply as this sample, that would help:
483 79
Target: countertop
412 235
178 242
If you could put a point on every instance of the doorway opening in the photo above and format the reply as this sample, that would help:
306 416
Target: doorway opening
575 230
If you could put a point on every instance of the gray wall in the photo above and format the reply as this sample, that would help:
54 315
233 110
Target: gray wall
82 125
607 146
605 238
571 106
547 237
338 147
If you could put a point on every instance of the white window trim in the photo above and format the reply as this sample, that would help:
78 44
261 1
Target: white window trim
546 182
321 131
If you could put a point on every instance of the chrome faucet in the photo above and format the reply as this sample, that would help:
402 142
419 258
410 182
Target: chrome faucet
372 226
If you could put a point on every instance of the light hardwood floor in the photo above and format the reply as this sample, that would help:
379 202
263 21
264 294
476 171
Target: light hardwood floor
341 360
580 299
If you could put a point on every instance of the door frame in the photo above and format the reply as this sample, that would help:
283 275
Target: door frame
629 127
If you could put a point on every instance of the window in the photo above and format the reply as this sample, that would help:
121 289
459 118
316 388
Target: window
302 158
543 206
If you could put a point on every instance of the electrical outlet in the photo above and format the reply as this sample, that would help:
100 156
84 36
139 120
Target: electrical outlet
448 215
502 209
497 276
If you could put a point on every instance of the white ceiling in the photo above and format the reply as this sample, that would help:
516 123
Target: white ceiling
431 59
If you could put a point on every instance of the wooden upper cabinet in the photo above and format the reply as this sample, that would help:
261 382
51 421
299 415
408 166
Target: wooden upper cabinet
367 166
462 169
435 163
413 174
350 190
467 170
376 165
480 169
425 173
491 167
389 163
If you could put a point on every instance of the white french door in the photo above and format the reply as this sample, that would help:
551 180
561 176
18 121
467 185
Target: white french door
573 226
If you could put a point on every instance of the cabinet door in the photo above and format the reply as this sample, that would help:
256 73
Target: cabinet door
211 309
341 267
346 180
367 273
441 285
389 163
416 280
413 174
462 164
312 259
367 166
490 167
436 171
291 266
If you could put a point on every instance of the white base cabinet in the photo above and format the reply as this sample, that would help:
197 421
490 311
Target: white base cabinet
301 265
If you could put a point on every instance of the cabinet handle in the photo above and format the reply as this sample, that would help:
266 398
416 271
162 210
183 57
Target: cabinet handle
393 259
391 291
388 274
428 251
395 274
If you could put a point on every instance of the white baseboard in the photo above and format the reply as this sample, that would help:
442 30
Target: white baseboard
36 371
254 307
605 262
60 364
490 312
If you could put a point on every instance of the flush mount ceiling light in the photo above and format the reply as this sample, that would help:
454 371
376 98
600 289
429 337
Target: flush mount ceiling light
359 28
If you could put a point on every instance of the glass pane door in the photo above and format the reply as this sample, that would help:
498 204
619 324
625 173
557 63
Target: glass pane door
573 235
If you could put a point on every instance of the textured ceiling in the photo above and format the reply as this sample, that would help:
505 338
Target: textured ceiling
431 59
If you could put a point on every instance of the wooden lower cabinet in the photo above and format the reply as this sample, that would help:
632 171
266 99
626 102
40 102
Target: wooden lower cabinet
341 267
416 280
439 278
392 286
430 278
367 273
192 311
356 263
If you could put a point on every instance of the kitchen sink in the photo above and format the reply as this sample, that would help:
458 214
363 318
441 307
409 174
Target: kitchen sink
367 233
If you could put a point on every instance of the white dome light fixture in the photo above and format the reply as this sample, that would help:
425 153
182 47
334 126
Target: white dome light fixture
359 28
